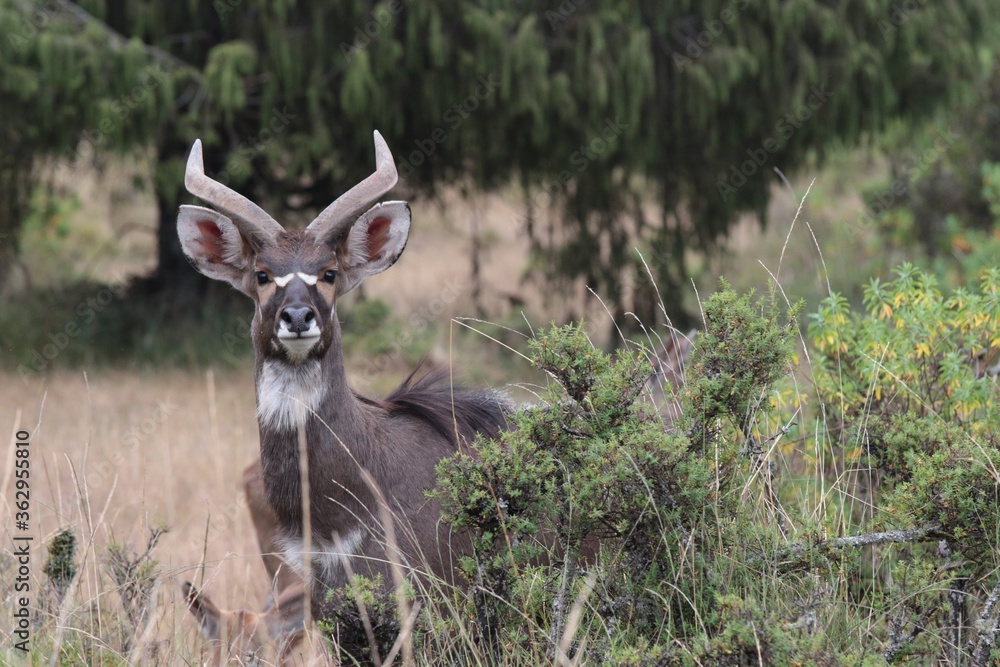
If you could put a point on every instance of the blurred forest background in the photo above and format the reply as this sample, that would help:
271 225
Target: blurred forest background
624 147
830 483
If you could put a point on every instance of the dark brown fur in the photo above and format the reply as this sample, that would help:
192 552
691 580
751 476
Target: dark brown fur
364 457
448 409
434 420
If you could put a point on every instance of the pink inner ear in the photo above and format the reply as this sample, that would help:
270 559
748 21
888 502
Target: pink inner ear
211 240
378 236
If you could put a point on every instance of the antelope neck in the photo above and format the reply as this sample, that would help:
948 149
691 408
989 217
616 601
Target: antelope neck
291 396
312 396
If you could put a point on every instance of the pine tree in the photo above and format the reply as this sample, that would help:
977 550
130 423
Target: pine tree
596 107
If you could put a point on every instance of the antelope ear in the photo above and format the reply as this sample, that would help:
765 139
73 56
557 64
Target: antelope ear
374 243
208 615
287 613
213 245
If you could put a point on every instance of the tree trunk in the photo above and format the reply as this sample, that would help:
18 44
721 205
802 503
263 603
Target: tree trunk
16 183
172 267
177 288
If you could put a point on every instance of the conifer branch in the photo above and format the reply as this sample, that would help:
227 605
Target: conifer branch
116 40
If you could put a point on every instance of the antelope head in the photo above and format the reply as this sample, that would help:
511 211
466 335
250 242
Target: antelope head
294 276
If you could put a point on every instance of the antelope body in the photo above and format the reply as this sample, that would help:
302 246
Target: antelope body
360 452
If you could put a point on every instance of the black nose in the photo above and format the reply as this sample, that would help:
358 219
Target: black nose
299 318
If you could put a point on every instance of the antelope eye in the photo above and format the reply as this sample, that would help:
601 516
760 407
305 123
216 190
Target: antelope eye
329 276
262 278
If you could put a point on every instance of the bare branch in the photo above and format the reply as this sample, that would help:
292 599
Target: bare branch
900 636
794 553
892 536
987 631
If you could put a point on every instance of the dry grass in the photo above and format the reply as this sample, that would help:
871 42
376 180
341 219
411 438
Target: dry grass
115 453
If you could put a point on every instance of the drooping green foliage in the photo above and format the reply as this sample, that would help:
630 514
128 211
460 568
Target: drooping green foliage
941 189
67 88
593 106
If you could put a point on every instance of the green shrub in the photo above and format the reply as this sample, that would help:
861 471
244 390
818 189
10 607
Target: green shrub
910 390
60 566
871 538
917 352
592 465
351 612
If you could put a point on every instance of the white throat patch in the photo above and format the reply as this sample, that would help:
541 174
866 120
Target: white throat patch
287 395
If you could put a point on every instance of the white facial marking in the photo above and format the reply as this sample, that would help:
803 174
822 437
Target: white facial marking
287 395
306 278
327 559
283 280
298 345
